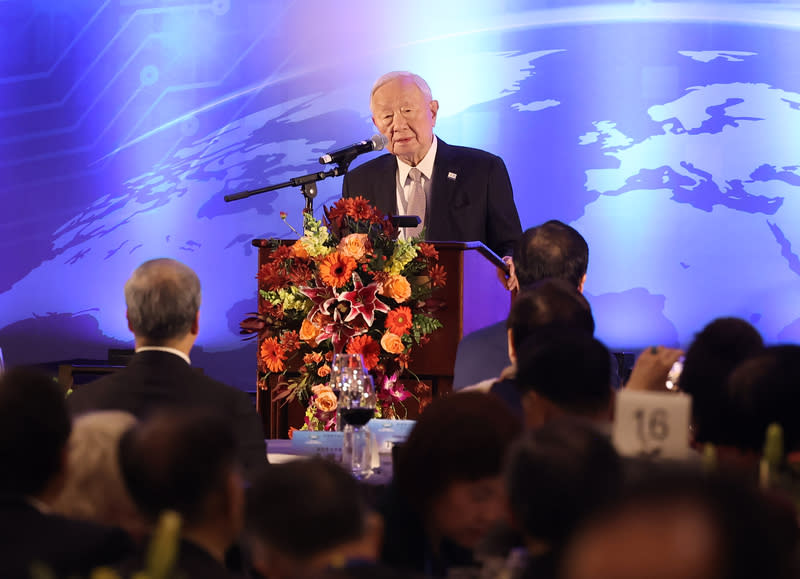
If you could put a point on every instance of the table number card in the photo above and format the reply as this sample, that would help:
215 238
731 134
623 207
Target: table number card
652 424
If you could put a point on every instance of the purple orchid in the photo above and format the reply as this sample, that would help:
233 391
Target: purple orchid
392 391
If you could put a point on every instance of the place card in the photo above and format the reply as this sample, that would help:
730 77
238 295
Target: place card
318 442
652 424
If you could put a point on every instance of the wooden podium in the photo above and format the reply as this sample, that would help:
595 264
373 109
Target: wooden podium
474 298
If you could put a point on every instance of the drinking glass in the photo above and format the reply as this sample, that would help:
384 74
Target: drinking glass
2 364
356 412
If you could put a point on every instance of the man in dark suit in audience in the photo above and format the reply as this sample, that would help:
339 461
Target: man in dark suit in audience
185 461
34 429
552 250
163 300
461 194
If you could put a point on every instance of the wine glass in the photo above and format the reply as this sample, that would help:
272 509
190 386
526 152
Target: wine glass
347 372
356 411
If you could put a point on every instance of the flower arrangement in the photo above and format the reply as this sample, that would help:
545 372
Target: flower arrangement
347 285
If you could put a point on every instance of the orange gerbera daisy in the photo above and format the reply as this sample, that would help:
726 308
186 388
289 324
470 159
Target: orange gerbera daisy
273 354
336 269
368 348
398 321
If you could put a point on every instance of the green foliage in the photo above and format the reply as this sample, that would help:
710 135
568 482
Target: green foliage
424 325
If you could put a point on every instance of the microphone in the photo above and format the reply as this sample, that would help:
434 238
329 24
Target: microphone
376 143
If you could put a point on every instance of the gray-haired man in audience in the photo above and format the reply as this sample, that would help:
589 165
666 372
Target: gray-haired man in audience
163 300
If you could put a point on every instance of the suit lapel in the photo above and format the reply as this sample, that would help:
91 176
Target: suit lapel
385 192
443 186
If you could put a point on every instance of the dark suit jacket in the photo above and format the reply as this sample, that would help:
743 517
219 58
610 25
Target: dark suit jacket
155 379
67 547
475 205
483 354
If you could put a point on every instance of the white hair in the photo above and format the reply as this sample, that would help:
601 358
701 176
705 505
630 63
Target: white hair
94 489
415 78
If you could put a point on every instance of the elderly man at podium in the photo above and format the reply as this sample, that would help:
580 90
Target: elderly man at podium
459 193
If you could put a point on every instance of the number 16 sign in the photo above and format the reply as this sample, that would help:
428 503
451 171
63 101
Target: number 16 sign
652 424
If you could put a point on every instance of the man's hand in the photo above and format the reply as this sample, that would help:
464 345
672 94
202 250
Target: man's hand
508 278
651 369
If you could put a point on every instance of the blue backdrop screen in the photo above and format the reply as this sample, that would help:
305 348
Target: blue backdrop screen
666 133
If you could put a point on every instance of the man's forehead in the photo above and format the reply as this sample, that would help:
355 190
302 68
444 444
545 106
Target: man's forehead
397 91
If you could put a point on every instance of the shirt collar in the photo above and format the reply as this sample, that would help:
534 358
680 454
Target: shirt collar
425 166
165 349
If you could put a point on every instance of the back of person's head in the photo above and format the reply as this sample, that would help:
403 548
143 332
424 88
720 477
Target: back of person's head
678 522
557 475
548 303
551 250
181 461
34 428
163 298
567 367
304 508
457 438
710 359
94 489
764 389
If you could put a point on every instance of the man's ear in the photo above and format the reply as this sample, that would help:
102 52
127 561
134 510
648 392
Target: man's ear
196 324
434 106
512 353
128 318
580 285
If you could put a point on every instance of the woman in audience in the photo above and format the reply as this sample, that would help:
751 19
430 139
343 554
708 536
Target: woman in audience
448 490
94 489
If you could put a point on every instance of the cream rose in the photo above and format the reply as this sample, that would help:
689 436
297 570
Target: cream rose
354 245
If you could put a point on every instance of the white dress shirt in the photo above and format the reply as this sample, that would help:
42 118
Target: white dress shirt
404 185
165 349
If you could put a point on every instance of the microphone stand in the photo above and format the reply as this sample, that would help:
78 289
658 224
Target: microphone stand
307 184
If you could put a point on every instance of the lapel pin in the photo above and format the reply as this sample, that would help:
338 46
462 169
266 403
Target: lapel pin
452 176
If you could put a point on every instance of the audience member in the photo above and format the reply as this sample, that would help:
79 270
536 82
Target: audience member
564 372
550 250
550 303
557 476
186 462
679 525
309 515
163 301
448 490
764 389
94 489
711 358
34 429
